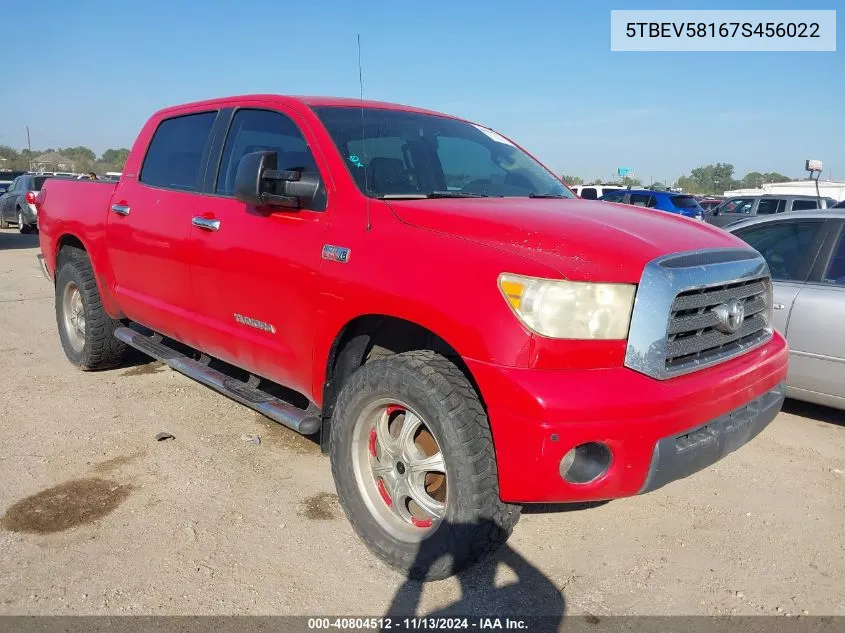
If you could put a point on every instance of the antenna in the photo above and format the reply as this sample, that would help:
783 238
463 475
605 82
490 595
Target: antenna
363 136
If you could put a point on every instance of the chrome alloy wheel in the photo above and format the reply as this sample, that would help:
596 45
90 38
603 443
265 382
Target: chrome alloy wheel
73 313
400 469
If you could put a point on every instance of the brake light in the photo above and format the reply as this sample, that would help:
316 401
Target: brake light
30 197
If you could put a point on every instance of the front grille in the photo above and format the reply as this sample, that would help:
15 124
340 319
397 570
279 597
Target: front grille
692 336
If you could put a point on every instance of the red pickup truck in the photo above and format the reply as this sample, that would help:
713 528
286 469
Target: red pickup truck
465 334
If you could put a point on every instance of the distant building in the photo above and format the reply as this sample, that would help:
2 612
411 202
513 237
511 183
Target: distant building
52 161
827 189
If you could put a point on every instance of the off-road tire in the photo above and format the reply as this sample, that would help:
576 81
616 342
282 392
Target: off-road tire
476 522
101 349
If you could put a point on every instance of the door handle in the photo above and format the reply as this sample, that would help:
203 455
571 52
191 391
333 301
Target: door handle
778 306
206 223
120 209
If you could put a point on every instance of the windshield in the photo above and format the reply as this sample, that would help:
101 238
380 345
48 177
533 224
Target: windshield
397 154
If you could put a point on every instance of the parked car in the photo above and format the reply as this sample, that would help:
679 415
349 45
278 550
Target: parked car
740 207
17 204
679 203
806 256
6 178
411 321
709 203
593 192
839 205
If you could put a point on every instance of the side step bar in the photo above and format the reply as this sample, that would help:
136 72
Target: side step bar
306 421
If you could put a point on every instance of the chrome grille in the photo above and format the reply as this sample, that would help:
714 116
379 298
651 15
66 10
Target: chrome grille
686 311
692 334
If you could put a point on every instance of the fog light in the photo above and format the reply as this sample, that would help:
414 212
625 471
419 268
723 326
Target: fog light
585 463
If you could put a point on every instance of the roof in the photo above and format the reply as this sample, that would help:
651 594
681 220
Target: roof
311 101
52 157
799 196
813 214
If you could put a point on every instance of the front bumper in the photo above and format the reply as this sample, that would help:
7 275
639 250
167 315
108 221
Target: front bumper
657 430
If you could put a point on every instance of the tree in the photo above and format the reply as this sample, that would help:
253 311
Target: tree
713 179
569 180
79 154
117 157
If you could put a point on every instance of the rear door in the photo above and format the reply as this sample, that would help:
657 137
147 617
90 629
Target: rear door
149 225
770 206
255 271
817 323
7 202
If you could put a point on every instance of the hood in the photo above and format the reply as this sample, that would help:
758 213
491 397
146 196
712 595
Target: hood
583 240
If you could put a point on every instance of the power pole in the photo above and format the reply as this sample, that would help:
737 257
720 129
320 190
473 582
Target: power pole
29 148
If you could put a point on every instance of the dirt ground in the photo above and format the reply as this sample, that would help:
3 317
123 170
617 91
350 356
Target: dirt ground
100 518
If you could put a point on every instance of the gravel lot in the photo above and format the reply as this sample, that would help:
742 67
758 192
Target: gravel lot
99 518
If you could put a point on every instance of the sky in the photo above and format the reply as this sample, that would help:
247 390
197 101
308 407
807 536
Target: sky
538 71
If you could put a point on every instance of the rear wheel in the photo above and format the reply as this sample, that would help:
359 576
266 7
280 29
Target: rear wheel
413 462
85 329
23 227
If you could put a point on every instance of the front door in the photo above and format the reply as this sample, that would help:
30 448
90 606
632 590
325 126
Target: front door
732 210
790 248
817 329
255 269
149 226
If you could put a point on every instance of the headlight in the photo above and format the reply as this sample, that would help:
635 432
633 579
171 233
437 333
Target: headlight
570 309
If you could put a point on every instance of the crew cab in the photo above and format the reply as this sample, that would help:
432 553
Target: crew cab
463 333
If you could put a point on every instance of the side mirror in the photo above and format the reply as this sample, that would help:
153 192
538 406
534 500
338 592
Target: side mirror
259 183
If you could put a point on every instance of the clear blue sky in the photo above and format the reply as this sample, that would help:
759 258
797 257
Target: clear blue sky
539 71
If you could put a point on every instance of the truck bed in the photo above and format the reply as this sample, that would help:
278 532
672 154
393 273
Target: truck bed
72 207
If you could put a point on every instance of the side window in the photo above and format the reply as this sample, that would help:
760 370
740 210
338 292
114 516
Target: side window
652 202
836 271
175 155
738 206
259 131
589 193
640 199
769 206
803 205
614 196
786 247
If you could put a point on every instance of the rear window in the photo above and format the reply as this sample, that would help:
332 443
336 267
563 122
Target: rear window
38 182
803 205
684 202
589 193
175 156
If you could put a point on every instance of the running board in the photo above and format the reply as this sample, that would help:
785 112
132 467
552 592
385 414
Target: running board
306 421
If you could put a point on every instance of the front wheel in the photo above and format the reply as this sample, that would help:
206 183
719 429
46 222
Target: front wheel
414 465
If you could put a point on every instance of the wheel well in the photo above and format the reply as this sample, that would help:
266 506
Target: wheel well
67 241
371 337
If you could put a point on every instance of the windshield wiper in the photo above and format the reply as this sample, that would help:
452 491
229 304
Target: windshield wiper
456 194
545 195
433 194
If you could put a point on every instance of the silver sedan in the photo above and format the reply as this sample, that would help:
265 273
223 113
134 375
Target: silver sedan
806 254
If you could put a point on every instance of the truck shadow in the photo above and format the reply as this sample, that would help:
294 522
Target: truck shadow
11 239
532 594
816 412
